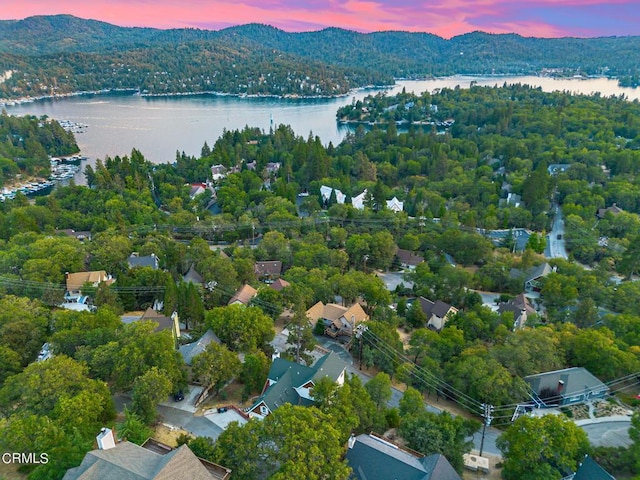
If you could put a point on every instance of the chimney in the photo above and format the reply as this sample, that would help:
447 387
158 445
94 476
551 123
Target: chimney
352 440
560 386
105 439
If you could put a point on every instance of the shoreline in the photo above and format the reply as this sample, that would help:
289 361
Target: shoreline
136 91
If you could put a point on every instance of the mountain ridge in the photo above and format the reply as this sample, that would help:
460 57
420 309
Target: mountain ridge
78 54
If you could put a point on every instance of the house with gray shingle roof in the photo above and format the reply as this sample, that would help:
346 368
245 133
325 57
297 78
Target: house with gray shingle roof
136 260
532 276
190 350
129 461
438 312
290 382
193 276
565 387
374 457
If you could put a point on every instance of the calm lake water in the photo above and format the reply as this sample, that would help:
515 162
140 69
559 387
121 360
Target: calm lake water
160 126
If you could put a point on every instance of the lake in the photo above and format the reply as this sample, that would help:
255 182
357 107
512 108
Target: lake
160 126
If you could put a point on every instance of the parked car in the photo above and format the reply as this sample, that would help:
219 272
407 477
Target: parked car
178 397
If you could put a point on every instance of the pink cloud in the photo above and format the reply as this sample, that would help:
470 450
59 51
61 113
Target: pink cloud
442 17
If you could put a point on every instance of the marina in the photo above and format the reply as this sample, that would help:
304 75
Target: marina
62 170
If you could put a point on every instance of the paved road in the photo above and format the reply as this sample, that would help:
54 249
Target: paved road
555 239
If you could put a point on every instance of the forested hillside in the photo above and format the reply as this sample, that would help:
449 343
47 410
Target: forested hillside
573 152
61 54
26 144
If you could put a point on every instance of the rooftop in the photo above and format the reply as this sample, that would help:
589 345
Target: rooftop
373 457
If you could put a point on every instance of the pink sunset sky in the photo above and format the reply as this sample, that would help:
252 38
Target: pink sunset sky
446 18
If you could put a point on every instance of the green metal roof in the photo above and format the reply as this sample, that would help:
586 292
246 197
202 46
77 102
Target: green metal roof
590 470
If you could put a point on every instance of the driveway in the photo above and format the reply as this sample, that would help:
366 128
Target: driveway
608 432
196 425
393 279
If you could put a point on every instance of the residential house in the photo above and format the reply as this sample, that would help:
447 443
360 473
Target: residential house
290 382
565 387
192 276
438 312
251 165
75 282
280 284
150 261
196 189
521 308
171 323
81 236
371 456
218 172
325 192
268 271
532 277
272 167
395 205
243 296
190 350
590 470
358 201
514 200
613 210
152 460
339 321
407 259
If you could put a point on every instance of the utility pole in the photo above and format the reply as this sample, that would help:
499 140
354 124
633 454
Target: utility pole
487 415
360 329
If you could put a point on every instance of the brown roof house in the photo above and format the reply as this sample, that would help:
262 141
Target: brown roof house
243 296
338 320
438 312
280 284
521 308
268 271
290 382
613 210
171 323
75 282
152 460
408 259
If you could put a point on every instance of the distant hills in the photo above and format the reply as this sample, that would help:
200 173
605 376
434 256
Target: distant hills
63 53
